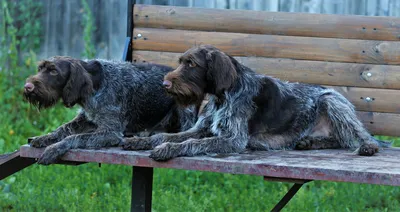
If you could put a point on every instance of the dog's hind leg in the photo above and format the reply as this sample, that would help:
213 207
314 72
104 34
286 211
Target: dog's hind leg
265 141
347 128
320 142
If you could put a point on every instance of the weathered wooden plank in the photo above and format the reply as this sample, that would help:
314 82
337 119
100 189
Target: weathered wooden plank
239 44
332 165
271 23
315 72
381 123
368 99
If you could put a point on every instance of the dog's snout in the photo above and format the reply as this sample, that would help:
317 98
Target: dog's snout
167 84
29 87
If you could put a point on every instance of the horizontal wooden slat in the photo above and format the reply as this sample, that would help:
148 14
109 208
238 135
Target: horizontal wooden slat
273 23
368 99
331 164
381 123
315 72
303 48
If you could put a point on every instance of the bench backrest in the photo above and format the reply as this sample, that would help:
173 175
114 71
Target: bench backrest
357 55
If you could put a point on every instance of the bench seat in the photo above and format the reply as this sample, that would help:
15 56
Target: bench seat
329 165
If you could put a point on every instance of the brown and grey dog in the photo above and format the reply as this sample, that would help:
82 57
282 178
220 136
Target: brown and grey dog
250 110
116 98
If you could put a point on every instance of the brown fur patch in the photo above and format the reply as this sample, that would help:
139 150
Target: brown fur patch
203 69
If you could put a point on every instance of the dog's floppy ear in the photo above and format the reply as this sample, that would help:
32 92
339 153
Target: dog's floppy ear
221 73
79 84
94 68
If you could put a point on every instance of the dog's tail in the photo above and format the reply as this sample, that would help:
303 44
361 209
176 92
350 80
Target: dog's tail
347 128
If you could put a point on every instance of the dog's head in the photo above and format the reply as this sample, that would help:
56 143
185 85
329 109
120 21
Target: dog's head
63 78
203 69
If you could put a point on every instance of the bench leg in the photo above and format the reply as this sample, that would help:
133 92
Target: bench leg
13 162
288 196
142 183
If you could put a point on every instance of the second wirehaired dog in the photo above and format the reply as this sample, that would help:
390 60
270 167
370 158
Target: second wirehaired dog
246 109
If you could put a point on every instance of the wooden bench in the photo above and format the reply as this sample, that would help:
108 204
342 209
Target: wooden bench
356 55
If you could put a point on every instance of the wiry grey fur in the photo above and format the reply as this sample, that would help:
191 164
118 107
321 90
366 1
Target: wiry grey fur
121 98
255 111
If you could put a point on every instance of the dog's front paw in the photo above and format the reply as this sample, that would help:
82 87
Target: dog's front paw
165 152
368 149
50 155
42 141
304 144
136 143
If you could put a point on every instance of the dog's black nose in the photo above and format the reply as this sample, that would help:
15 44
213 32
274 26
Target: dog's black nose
167 84
29 87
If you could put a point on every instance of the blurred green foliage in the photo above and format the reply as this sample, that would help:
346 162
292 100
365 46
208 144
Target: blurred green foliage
88 30
90 188
19 40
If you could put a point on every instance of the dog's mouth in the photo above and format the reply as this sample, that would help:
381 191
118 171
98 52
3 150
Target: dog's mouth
184 99
39 100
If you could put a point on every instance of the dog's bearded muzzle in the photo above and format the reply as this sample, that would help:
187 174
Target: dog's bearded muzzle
36 94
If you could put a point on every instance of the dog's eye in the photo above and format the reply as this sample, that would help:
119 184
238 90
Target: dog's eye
53 72
191 64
